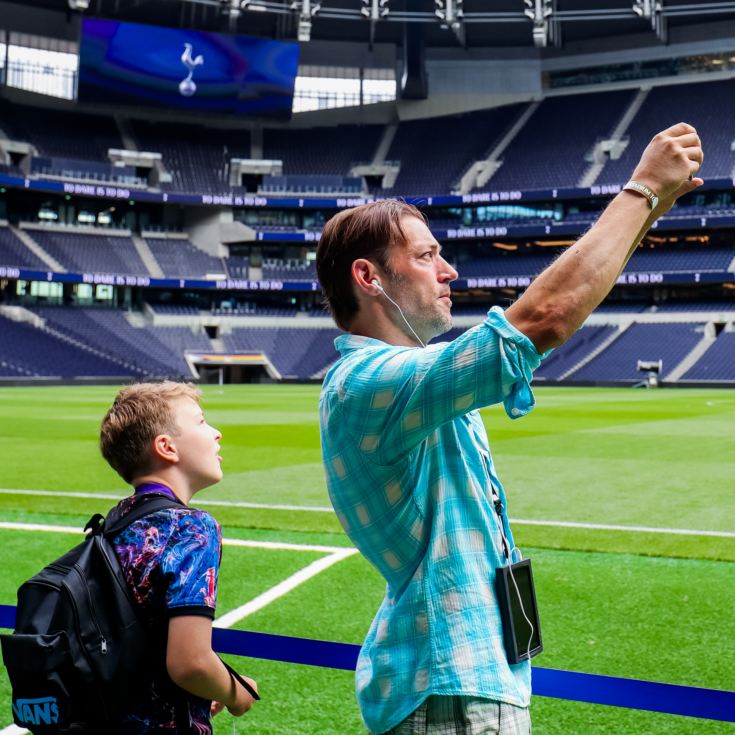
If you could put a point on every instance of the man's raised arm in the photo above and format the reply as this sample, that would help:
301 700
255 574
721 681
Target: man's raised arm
556 304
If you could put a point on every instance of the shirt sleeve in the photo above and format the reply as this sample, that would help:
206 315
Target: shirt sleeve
395 398
190 562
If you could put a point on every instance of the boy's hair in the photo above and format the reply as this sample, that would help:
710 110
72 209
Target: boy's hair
368 231
138 415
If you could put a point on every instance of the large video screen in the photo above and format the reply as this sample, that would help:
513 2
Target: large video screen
130 63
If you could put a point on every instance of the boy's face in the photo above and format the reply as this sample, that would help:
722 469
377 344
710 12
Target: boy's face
197 444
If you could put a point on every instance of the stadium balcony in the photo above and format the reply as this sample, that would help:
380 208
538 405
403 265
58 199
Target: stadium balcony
174 309
238 266
313 185
73 169
289 271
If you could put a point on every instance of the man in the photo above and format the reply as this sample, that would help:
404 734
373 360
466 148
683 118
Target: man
406 454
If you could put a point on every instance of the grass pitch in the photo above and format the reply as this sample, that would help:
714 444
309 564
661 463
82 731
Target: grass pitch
632 603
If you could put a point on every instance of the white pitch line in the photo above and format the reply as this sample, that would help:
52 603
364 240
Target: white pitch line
320 509
282 588
274 545
202 501
635 529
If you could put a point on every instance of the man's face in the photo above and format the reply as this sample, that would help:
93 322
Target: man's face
419 281
197 444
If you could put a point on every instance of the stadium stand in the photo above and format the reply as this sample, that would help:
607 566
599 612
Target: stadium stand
180 259
29 351
109 332
668 342
14 253
717 363
321 151
238 266
675 261
435 153
563 360
550 150
706 105
197 158
295 353
90 253
289 270
695 306
62 134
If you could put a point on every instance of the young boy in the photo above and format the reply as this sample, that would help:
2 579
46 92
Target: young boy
157 439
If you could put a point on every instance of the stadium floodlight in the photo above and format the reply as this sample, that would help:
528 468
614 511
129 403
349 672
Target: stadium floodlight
306 11
545 25
253 5
231 8
451 15
80 5
374 10
652 10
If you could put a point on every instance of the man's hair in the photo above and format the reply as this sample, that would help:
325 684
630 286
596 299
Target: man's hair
368 231
138 415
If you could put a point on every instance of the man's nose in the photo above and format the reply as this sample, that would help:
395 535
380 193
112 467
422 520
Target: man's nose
448 273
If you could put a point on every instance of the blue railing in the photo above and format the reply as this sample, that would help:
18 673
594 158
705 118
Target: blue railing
673 699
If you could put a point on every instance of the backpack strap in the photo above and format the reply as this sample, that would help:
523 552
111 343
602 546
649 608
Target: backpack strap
115 523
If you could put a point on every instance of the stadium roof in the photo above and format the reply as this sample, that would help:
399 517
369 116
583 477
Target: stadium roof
497 24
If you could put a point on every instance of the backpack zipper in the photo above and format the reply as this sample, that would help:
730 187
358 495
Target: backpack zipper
93 614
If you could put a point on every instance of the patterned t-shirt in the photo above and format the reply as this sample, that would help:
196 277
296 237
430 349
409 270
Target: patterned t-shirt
171 560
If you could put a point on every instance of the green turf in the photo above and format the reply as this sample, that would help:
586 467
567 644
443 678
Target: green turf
623 603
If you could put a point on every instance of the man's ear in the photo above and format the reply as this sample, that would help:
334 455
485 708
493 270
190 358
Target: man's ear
363 272
165 449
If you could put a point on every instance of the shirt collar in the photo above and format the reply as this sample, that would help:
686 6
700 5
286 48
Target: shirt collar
346 343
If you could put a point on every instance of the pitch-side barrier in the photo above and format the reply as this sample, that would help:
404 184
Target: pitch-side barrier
673 699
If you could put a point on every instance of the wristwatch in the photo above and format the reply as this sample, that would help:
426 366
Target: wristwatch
647 192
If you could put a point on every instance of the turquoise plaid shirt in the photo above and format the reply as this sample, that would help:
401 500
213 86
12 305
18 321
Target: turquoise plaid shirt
407 463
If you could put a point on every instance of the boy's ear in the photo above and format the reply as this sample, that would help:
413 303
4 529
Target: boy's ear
165 449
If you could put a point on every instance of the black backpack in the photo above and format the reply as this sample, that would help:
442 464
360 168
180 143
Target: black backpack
78 652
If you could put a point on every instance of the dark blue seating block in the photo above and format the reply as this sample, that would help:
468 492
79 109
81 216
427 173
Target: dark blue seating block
668 342
709 106
548 152
717 363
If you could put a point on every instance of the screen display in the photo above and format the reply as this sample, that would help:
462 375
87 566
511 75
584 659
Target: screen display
130 63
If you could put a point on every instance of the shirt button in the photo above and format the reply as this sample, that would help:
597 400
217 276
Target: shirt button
515 411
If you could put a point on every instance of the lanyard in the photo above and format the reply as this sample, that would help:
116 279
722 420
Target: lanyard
498 505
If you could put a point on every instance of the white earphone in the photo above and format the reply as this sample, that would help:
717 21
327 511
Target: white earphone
375 282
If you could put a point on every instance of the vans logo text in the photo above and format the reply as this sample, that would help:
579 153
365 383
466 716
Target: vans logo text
41 711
